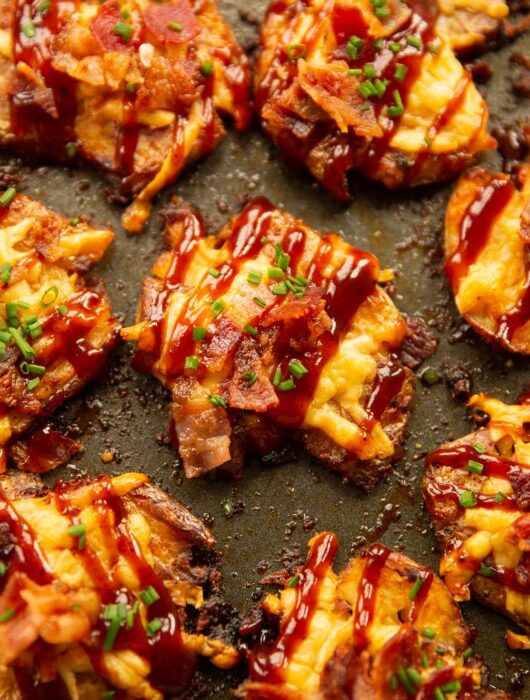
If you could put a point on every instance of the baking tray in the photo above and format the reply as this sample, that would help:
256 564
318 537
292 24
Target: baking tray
264 521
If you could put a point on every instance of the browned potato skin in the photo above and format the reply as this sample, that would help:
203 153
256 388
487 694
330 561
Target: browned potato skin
64 252
348 675
175 536
485 315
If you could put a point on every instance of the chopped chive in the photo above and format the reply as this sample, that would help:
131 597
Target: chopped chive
149 595
75 221
213 272
441 650
130 87
287 385
438 694
35 330
380 87
467 499
355 71
125 14
23 304
295 51
479 448
108 693
123 30
499 497
32 384
29 368
111 635
7 615
401 71
283 261
378 44
175 26
49 296
405 680
291 583
260 302
216 307
62 309
254 277
207 68
28 29
439 664
217 400
191 362
393 682
397 110
71 149
3 568
251 330
250 377
272 455
264 240
414 676
485 570
3 350
415 588
24 347
369 70
424 660
276 273
474 467
354 46
414 41
394 47
279 289
428 141
433 48
199 333
43 7
451 687
382 12
5 273
153 626
468 653
277 377
297 369
78 531
8 196
428 633
5 336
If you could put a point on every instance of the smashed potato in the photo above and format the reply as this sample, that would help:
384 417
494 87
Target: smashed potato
477 490
268 331
137 88
350 84
384 627
96 579
55 330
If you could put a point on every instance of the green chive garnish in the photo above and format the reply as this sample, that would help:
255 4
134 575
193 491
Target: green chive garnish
49 296
415 588
199 333
251 330
8 196
123 30
217 400
7 615
474 467
291 583
414 41
207 68
287 385
153 626
175 26
254 277
297 369
213 272
216 307
149 595
191 362
250 377
467 499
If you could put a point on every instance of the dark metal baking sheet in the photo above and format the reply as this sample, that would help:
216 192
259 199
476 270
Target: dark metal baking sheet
280 507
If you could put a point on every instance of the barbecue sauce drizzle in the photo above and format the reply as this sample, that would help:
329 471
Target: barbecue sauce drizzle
172 665
458 457
49 121
343 294
347 150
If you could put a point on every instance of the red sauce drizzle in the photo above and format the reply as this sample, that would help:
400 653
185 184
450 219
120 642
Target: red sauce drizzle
268 664
476 226
517 317
376 557
387 385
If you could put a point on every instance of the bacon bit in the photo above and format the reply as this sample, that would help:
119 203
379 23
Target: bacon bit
102 27
338 95
43 450
259 397
517 641
158 19
222 345
520 482
295 309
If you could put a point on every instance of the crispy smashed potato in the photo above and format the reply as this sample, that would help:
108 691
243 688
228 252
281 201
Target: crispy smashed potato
477 490
96 577
487 231
137 88
55 331
384 627
269 331
349 85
